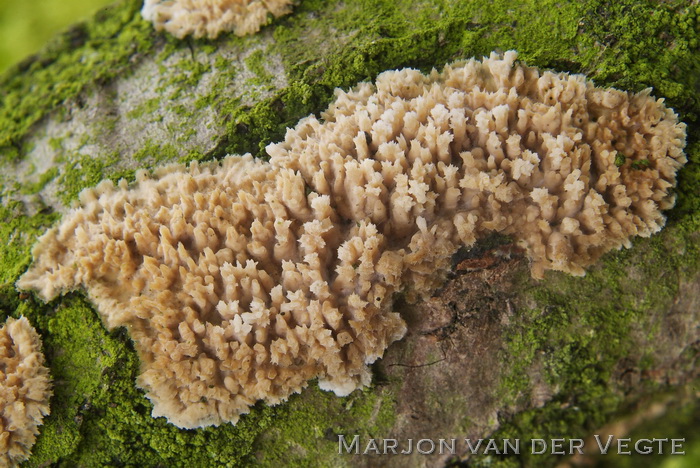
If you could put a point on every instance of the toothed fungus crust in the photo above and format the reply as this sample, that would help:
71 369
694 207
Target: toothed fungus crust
25 390
212 17
241 280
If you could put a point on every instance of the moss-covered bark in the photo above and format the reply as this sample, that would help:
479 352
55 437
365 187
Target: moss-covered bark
493 354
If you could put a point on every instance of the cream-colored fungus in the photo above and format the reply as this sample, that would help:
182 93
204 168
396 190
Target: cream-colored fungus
241 280
212 17
25 390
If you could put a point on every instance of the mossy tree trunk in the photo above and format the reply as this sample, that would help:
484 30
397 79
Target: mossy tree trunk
492 354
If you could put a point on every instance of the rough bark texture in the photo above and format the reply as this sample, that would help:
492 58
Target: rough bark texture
492 354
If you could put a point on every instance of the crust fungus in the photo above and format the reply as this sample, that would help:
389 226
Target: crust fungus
241 280
25 390
212 17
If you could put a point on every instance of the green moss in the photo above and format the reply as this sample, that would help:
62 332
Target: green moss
56 143
78 350
17 235
305 430
148 108
640 164
189 73
620 159
44 179
256 64
83 171
678 421
638 44
687 202
106 46
156 153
